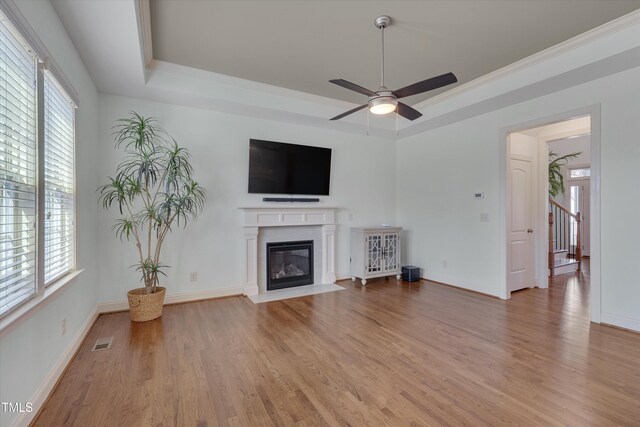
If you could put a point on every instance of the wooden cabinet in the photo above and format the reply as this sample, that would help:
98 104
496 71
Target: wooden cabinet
375 252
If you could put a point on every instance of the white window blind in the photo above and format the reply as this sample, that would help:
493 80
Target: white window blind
59 209
18 170
37 205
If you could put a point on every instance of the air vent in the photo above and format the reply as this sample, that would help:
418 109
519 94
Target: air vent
102 344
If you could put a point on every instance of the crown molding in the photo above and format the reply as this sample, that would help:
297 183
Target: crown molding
210 76
522 92
143 9
204 89
559 49
189 99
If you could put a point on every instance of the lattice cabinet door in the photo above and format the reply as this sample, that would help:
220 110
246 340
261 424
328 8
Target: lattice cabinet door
391 251
375 254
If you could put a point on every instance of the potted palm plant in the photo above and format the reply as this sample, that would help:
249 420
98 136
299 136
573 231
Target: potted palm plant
556 179
154 190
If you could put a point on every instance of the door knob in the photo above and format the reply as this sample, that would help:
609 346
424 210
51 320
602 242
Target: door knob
530 230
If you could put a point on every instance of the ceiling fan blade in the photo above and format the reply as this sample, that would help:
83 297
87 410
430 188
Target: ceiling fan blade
352 86
407 112
339 116
426 85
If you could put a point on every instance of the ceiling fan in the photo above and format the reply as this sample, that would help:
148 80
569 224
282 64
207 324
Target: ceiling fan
385 101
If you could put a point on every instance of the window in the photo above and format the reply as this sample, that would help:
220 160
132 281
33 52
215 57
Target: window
59 116
580 173
37 224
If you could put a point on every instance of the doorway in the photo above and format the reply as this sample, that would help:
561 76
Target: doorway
575 199
526 201
579 191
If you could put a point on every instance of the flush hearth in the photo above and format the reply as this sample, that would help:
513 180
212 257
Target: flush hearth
289 264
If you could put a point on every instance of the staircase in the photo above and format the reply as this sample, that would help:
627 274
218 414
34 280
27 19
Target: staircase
565 243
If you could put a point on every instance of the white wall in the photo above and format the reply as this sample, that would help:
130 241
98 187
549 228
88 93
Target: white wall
438 173
581 144
31 347
362 185
523 145
440 169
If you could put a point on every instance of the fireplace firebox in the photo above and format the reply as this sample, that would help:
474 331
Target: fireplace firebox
289 264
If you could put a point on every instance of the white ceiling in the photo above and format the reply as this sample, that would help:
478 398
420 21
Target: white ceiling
300 45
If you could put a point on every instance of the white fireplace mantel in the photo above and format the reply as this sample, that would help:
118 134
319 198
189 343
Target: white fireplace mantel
256 217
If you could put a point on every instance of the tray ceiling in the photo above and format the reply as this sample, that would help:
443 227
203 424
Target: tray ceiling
300 45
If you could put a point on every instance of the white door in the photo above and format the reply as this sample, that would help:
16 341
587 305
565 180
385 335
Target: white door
520 224
580 197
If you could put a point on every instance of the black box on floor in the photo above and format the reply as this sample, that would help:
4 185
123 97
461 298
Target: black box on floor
410 273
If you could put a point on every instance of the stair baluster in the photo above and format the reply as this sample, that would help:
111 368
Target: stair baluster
564 234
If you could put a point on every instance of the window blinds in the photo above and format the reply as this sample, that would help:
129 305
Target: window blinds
18 171
59 210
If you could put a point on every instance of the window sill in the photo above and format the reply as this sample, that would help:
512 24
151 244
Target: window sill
37 300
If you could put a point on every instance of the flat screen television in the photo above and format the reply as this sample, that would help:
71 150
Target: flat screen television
279 168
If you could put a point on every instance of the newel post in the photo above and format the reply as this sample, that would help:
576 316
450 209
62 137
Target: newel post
551 260
579 241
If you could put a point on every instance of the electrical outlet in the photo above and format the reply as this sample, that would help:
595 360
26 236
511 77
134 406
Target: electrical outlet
64 326
194 276
445 263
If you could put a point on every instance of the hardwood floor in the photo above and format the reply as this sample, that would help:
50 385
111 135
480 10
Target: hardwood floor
390 353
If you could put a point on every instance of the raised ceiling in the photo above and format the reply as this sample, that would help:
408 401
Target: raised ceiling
302 44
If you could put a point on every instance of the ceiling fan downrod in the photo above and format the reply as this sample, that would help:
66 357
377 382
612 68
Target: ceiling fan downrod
382 22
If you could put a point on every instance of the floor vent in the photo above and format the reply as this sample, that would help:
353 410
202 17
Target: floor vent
102 344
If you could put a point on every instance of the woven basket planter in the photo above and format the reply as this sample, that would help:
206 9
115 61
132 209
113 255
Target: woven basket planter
144 306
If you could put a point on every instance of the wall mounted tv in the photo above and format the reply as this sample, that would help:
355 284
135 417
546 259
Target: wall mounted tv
279 168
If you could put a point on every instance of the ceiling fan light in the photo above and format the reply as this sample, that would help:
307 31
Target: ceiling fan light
383 105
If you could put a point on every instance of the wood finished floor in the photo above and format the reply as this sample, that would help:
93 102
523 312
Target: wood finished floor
389 353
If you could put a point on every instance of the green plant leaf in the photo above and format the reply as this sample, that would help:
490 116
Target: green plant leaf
152 188
556 178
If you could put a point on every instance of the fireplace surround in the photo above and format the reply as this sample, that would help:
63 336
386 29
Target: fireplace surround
304 217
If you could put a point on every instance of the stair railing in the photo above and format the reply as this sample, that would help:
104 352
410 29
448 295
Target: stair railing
564 234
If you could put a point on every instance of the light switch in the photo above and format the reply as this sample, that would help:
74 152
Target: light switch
484 217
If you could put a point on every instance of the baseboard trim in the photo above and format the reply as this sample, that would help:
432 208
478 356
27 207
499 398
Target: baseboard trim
565 269
51 380
622 322
459 287
342 279
177 298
